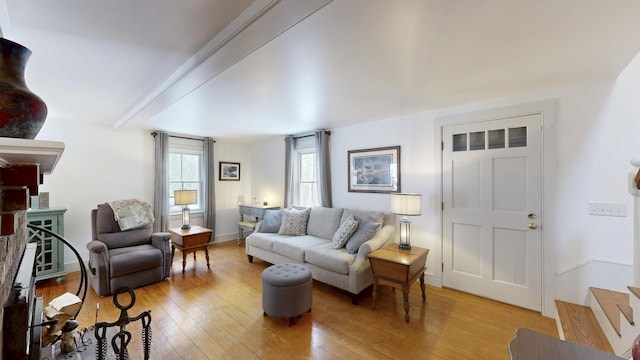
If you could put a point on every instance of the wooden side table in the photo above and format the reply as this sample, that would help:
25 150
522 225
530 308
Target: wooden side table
398 269
190 240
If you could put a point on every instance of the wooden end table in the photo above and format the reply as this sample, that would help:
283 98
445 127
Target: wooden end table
398 269
190 240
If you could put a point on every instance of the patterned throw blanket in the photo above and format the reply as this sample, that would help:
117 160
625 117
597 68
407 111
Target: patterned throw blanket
132 213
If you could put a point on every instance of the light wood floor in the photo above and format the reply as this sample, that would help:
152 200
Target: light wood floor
217 314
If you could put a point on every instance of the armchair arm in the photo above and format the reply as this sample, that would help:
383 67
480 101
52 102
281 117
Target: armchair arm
161 241
99 267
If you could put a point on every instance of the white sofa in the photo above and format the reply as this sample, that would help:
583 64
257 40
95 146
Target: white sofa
337 267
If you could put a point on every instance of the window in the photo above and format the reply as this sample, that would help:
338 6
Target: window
306 179
185 170
305 173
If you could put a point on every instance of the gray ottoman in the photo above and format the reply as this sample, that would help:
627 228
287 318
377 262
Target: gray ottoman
286 291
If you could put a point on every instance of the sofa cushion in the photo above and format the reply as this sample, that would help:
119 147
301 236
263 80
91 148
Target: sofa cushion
132 259
366 230
326 257
295 247
344 232
375 216
294 222
324 221
263 241
271 221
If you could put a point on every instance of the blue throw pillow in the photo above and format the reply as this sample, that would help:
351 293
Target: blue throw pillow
271 221
366 231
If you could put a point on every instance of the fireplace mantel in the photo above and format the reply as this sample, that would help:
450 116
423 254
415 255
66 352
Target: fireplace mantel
30 152
22 166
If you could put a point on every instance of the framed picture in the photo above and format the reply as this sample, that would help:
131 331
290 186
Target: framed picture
229 171
375 170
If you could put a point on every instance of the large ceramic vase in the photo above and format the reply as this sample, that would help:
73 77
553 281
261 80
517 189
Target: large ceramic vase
22 113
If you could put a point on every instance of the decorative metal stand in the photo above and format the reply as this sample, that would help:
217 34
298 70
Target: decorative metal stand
122 338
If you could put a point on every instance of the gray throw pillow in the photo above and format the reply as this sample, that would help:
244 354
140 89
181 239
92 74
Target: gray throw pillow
271 221
344 232
366 231
294 222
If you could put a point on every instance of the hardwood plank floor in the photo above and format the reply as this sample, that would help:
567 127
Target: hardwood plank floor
217 314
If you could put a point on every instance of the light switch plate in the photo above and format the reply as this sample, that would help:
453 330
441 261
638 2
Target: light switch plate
607 209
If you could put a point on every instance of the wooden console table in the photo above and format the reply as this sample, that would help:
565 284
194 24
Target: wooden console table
190 240
398 269
532 345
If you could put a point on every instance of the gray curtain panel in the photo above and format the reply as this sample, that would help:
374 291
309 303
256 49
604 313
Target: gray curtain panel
324 167
209 187
289 143
161 184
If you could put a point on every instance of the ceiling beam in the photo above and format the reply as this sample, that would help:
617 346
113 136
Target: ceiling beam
267 19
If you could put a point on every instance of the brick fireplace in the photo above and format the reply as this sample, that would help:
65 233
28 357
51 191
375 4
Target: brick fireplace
22 166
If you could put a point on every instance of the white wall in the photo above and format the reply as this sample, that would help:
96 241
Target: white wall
99 165
594 136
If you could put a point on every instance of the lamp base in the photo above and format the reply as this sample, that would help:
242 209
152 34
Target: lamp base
186 226
404 246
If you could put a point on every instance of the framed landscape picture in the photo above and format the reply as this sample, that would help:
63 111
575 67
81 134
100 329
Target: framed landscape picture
229 171
375 170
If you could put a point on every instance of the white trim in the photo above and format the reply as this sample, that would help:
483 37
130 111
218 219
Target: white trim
586 263
548 110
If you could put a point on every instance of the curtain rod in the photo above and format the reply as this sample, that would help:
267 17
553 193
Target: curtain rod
309 135
154 133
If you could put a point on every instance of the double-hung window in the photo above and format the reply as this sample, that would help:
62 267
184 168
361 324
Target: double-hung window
185 170
305 173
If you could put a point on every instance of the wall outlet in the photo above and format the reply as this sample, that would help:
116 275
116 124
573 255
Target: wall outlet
607 209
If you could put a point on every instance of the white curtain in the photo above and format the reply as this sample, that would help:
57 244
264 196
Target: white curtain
209 187
161 184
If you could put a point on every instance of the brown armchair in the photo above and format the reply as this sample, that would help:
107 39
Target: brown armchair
131 258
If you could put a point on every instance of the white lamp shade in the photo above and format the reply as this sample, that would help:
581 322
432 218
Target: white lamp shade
406 204
185 197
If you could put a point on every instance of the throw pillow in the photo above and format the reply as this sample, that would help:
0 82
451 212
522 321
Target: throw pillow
294 222
344 232
271 221
365 232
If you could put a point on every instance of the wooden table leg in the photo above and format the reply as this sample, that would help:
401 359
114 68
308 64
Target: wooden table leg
173 251
424 296
374 296
184 260
405 297
206 252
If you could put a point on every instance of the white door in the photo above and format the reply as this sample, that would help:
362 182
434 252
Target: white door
492 202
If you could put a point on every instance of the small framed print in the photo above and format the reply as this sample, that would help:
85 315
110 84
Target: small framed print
375 170
229 171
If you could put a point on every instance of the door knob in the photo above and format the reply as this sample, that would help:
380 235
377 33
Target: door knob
532 216
533 226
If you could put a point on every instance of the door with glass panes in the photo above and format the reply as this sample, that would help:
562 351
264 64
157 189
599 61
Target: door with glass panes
492 202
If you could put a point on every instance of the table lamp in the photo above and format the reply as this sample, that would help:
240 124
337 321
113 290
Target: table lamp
185 197
406 204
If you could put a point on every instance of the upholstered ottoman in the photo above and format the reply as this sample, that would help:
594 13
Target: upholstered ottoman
286 291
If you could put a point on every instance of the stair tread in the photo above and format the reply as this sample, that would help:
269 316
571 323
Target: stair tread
627 311
580 326
609 300
635 291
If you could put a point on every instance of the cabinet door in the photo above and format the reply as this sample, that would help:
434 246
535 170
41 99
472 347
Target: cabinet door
50 253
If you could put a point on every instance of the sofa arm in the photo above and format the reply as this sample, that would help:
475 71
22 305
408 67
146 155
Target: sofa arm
161 241
381 238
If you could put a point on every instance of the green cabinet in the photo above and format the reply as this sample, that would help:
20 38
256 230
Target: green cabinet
50 253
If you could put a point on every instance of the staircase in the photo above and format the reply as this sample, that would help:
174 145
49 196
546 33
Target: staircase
608 324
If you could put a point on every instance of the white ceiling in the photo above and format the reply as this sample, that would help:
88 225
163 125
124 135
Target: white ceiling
247 69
